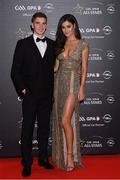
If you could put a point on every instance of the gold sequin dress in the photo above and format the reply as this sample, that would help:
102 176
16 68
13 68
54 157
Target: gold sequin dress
67 81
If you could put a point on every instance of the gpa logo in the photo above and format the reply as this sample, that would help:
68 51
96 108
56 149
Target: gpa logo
93 75
107 118
89 30
107 30
111 8
107 75
49 7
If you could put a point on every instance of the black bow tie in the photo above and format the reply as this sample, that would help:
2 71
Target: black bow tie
38 39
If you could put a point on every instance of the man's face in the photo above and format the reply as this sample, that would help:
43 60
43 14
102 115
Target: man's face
39 26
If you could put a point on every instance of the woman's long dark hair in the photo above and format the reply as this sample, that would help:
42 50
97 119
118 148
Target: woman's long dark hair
60 37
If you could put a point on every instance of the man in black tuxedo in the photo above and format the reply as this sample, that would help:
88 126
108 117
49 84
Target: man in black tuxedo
32 75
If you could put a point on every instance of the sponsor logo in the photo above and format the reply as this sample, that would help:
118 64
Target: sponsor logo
91 118
50 141
110 142
20 8
19 99
98 77
111 8
107 75
22 34
89 30
96 54
92 142
93 75
107 118
27 8
95 32
34 143
1 145
49 7
94 98
110 99
91 10
107 30
110 54
52 34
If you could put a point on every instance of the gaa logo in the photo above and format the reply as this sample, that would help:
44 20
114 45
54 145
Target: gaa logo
107 30
20 8
107 75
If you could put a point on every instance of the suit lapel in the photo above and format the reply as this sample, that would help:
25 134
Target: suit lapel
47 49
34 47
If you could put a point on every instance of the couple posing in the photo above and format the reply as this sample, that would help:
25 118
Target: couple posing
36 59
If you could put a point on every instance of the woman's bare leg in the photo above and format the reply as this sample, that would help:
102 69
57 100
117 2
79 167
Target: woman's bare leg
68 130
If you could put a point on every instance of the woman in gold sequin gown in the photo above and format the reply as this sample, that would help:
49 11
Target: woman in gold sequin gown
69 89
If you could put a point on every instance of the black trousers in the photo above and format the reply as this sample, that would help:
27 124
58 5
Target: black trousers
34 107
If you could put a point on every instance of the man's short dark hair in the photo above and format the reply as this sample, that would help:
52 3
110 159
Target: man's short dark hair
38 14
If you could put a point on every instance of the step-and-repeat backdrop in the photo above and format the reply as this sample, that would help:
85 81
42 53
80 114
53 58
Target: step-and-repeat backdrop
100 113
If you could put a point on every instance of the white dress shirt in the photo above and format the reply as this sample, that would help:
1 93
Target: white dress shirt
42 46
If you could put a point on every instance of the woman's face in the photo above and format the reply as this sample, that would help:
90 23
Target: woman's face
68 28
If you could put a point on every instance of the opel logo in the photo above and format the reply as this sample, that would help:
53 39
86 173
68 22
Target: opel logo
107 118
19 99
50 141
110 99
110 142
110 54
111 9
49 7
107 74
107 30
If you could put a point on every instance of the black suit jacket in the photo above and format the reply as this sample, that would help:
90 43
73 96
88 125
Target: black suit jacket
30 71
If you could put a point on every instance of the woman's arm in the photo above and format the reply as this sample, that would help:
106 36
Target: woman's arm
85 55
56 66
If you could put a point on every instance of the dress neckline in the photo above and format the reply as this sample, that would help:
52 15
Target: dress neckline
71 52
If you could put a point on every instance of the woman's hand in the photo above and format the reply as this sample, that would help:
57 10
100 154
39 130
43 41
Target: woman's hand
81 94
56 65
